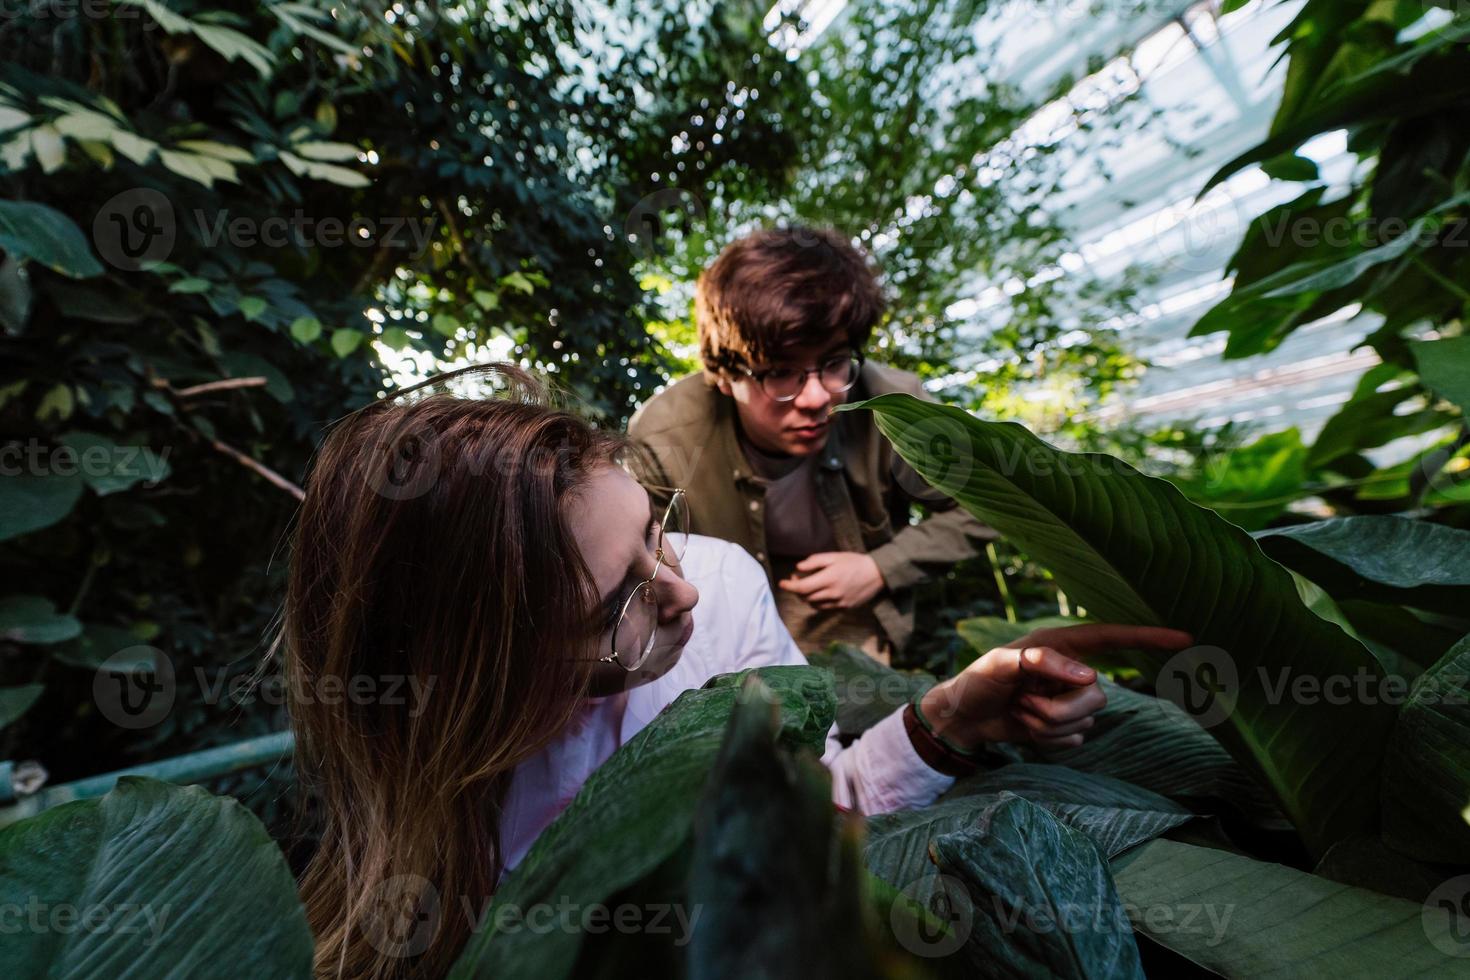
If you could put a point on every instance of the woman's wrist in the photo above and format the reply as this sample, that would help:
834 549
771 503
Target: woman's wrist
937 753
942 708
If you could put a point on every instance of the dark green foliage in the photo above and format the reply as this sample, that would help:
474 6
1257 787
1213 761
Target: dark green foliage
98 895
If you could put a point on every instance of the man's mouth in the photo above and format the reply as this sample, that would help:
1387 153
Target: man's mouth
809 431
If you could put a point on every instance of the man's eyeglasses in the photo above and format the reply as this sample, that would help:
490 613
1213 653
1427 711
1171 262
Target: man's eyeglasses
837 374
637 625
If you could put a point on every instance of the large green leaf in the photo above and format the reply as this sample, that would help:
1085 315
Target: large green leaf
1417 636
1113 814
30 502
1252 484
1385 557
631 815
16 701
1370 418
151 880
1426 775
1245 918
867 691
1132 549
45 235
109 468
1434 83
1445 367
769 870
34 619
1041 898
1151 743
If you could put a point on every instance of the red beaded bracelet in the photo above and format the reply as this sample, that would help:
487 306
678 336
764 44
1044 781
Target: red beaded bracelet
937 753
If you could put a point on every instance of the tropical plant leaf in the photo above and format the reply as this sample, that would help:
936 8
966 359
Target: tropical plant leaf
175 882
867 691
33 619
1379 556
31 502
1445 367
1042 897
107 468
1433 84
1426 775
1132 549
16 701
631 815
1113 814
762 892
1368 862
1151 743
1417 637
45 235
1245 918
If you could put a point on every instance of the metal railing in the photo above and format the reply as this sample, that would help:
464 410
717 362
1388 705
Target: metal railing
194 767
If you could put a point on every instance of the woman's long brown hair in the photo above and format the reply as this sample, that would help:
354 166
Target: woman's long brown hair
433 569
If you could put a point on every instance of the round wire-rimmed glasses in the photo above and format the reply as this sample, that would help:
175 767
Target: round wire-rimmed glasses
783 384
637 625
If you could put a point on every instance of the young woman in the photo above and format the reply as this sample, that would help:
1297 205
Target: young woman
491 556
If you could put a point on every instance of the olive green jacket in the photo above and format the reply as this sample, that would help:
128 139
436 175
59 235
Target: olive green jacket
687 434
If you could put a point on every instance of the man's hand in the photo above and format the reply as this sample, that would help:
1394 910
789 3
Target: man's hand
836 579
1035 689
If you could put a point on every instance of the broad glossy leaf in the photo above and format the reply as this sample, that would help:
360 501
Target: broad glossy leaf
1384 557
1368 862
177 883
109 468
1131 549
1445 367
45 235
1245 918
1252 484
1041 897
1370 418
1433 84
1426 775
769 871
16 701
1113 814
867 691
632 814
1416 636
32 502
1151 743
33 619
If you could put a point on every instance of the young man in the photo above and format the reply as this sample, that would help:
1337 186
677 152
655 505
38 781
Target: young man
820 500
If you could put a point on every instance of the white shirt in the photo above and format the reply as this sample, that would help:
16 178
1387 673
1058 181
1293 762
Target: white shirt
736 627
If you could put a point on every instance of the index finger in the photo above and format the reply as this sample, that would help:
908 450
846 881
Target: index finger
1090 638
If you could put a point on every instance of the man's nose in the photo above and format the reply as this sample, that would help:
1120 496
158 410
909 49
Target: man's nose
813 396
